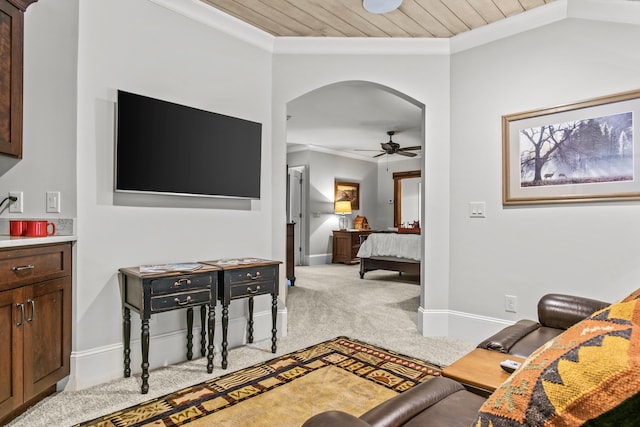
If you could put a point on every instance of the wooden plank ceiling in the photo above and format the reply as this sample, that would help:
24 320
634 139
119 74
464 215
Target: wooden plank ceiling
347 18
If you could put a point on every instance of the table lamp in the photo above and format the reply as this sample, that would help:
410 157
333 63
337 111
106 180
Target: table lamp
343 207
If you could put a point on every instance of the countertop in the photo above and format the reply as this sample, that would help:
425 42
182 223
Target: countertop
13 241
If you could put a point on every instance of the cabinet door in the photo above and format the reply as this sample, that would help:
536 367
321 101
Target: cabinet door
11 340
11 35
47 334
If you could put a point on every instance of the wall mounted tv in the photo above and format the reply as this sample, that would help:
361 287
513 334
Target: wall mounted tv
168 148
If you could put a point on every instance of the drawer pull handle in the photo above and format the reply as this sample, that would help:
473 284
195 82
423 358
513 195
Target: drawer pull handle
21 322
180 282
185 302
24 267
33 310
257 276
253 291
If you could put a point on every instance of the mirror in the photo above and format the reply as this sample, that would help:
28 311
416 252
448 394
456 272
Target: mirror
406 197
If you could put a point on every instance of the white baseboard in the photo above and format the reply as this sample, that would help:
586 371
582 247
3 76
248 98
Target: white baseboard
99 365
456 324
320 259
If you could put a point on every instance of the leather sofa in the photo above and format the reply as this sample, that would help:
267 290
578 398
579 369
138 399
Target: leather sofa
556 313
445 402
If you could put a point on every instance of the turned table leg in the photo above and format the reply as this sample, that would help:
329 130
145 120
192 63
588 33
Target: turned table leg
203 331
274 313
126 332
189 333
210 328
225 326
145 356
250 322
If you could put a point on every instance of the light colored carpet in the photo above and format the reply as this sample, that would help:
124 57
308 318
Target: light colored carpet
327 301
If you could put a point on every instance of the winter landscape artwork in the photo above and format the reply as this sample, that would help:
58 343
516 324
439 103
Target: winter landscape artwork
574 153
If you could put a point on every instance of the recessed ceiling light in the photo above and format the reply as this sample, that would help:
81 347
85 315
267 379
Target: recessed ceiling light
381 6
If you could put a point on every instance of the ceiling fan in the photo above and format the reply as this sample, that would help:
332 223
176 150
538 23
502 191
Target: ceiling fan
394 148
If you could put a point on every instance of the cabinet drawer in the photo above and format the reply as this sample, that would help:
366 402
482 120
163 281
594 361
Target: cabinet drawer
180 299
167 285
252 289
251 275
30 265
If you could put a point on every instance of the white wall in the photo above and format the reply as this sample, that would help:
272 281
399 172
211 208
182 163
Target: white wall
527 251
139 46
586 249
423 77
49 136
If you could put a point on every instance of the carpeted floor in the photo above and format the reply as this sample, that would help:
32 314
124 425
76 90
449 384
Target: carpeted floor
328 301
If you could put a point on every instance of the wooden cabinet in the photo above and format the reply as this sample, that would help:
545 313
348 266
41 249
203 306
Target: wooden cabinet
11 65
346 244
35 323
291 254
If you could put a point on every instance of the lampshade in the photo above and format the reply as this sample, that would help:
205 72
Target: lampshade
381 6
343 207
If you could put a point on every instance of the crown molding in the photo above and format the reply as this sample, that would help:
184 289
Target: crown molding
361 46
214 18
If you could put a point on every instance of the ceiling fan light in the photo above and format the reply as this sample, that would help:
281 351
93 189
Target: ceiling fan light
381 6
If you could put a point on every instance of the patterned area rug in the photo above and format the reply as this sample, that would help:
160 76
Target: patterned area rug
342 374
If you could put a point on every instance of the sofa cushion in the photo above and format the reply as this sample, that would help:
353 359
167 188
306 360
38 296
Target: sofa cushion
589 372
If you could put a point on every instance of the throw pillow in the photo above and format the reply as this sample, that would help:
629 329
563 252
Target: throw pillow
588 375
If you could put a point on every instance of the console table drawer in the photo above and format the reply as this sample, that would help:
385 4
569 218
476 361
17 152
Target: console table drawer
251 275
179 300
168 285
18 266
252 289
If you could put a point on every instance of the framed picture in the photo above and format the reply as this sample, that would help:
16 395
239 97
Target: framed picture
348 191
582 152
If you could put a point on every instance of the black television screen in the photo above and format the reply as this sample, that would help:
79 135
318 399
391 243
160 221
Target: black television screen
168 148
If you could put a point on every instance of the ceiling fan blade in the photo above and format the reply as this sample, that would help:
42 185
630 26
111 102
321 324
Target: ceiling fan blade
378 155
361 149
406 153
414 147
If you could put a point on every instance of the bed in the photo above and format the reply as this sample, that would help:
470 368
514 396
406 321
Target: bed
390 251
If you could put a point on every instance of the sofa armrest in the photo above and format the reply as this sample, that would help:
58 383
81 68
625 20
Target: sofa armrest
398 410
334 419
563 311
507 337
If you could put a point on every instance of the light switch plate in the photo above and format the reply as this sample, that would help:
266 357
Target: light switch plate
53 201
477 209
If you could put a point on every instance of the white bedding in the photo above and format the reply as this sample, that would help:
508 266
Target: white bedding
391 244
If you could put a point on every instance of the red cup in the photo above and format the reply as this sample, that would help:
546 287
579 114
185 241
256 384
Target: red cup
17 227
40 228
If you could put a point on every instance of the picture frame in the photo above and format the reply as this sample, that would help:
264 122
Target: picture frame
348 191
580 152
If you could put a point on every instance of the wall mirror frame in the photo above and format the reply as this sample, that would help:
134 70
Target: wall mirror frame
397 193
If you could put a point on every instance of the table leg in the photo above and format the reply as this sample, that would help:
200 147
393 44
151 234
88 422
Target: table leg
145 356
210 329
203 331
189 333
126 332
250 322
274 313
225 325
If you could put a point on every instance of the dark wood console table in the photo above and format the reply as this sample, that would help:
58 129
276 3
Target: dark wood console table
246 278
151 293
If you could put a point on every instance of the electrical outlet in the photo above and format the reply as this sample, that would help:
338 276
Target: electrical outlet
17 206
53 201
510 303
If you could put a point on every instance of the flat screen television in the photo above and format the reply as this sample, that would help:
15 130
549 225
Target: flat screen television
167 148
